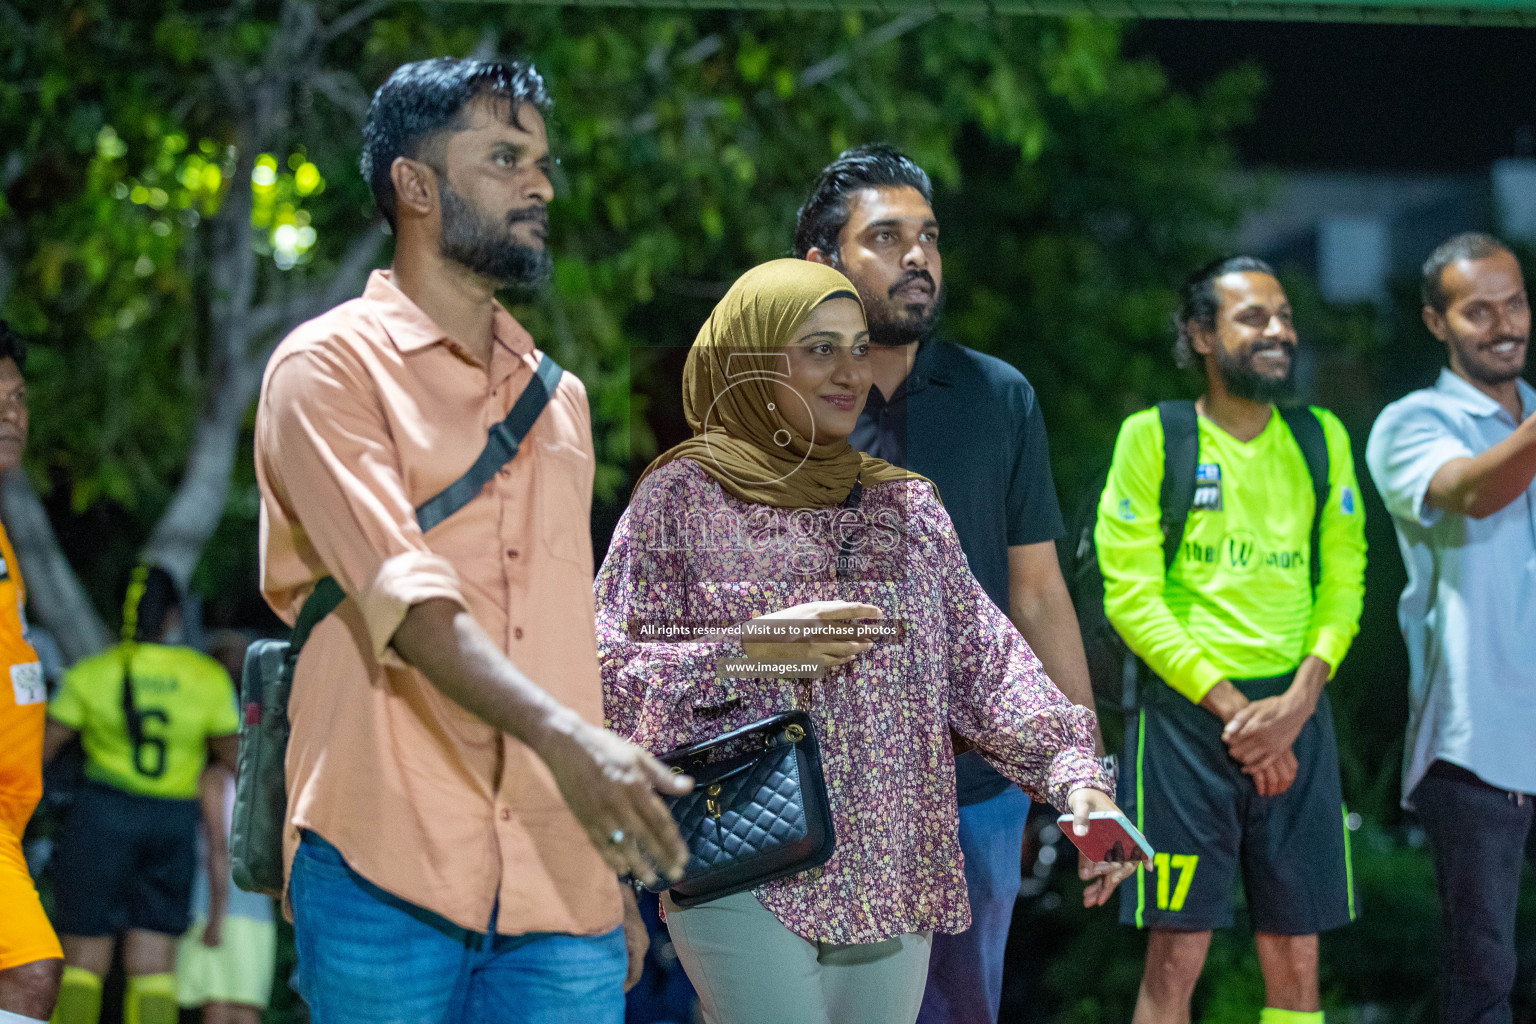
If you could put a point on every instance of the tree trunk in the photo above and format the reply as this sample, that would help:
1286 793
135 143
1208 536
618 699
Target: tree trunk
243 336
184 529
53 590
179 537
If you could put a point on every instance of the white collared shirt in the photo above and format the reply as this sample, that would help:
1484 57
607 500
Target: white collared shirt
1468 614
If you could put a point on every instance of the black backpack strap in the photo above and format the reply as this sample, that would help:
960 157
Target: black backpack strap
1307 429
1181 453
500 448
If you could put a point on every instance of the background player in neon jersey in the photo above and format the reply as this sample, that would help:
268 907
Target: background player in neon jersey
1232 760
148 714
30 958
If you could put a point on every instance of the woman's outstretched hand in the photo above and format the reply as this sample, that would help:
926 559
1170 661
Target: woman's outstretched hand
1102 877
830 653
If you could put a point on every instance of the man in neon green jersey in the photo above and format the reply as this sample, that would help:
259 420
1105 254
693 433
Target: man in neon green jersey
1244 616
149 714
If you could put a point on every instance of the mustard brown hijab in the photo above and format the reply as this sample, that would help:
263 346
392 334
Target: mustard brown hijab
739 436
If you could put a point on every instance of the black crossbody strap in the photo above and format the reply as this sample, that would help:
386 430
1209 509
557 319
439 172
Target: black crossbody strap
1307 429
845 549
320 603
1181 453
500 448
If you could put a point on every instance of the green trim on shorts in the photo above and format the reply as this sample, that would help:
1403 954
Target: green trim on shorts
1141 818
1349 863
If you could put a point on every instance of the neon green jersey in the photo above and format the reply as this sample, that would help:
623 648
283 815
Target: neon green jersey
1237 603
183 698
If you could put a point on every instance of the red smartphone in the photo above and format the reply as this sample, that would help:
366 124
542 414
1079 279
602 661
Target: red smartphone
1111 837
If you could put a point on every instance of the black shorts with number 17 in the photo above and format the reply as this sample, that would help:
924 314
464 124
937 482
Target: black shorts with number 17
1205 819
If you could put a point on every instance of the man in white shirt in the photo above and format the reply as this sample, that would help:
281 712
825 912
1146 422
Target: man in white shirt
1455 464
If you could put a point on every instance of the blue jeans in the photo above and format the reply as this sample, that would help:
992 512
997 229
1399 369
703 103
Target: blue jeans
366 957
965 971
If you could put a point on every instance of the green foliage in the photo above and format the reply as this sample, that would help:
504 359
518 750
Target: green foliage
1067 265
119 150
106 270
278 194
1070 179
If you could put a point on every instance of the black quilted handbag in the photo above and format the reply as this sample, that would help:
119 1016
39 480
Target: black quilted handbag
758 809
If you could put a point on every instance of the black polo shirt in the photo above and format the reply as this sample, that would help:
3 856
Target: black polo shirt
970 423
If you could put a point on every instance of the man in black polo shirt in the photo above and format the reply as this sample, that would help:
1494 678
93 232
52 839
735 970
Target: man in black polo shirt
970 423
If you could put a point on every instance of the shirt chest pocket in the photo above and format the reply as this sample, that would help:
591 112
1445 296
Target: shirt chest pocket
562 484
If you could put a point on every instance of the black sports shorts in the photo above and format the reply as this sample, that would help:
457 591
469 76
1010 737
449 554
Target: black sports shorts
1205 818
125 861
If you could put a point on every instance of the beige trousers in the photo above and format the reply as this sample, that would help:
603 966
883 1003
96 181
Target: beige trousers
749 969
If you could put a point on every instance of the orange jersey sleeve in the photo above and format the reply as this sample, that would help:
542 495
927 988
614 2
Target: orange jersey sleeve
23 702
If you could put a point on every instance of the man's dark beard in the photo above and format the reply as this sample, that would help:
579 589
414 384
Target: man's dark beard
1477 371
887 327
1243 381
479 243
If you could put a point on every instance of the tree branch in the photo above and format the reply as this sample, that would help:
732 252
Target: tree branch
260 102
341 89
183 530
347 22
287 313
872 40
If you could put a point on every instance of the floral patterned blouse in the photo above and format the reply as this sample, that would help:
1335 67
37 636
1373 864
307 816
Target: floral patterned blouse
686 552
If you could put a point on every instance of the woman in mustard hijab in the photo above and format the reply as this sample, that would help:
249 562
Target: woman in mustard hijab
767 512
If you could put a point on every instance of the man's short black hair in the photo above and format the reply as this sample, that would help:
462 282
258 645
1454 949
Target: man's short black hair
825 213
13 345
1198 301
424 98
1469 245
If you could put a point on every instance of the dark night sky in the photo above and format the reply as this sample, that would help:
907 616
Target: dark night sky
1402 98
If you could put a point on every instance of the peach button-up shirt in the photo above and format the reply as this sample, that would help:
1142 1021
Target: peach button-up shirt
366 412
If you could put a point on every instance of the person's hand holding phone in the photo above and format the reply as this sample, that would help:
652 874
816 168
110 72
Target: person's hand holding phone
1102 876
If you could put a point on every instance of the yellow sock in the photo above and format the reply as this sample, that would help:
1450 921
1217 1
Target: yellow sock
1270 1015
79 998
151 999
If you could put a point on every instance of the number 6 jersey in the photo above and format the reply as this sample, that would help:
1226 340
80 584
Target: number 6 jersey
183 698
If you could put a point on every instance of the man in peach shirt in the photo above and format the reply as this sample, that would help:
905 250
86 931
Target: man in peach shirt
457 814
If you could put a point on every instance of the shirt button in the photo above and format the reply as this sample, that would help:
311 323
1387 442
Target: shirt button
511 552
506 814
517 633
